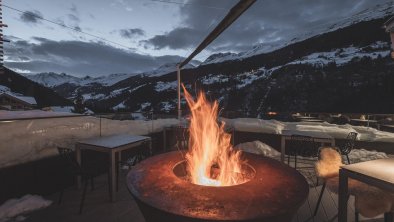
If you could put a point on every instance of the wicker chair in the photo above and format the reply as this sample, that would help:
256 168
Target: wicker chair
301 146
347 147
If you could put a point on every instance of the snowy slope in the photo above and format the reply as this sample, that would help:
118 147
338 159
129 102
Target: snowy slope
220 57
107 80
378 11
344 55
166 68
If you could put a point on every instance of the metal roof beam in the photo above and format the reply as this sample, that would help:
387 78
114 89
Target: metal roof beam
232 15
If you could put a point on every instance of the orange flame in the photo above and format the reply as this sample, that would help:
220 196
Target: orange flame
211 160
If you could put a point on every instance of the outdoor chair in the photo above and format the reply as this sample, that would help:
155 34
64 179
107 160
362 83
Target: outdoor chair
301 146
347 147
86 172
369 201
131 161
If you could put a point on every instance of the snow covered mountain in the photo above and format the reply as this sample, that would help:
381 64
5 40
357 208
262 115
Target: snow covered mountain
220 57
167 68
53 79
343 66
376 12
346 67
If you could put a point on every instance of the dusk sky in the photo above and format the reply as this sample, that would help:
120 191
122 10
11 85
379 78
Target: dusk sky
146 34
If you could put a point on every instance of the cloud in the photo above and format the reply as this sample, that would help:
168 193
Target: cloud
74 9
78 58
122 4
32 17
179 38
77 28
74 17
131 33
266 22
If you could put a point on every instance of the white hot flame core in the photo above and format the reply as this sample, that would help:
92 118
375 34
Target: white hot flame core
211 160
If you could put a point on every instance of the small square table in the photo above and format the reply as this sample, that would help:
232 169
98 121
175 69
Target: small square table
378 173
112 145
321 137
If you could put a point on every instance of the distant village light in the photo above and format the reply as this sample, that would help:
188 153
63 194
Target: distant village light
389 26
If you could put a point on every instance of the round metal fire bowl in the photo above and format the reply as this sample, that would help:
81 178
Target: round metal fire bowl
274 194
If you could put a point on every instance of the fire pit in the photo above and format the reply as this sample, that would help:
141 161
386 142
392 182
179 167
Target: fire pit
212 181
274 192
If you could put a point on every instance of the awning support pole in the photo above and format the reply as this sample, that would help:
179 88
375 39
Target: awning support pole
179 91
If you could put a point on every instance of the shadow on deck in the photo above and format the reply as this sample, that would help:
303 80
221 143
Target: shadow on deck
98 208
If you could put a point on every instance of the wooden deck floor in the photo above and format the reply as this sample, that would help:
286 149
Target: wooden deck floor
98 208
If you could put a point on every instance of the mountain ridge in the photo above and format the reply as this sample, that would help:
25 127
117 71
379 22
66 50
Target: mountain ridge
256 83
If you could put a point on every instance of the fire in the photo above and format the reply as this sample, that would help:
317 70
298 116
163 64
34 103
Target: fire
211 160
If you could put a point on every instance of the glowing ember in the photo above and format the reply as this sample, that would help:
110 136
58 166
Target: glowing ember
211 160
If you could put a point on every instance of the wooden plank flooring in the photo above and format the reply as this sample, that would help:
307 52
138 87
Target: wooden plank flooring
97 207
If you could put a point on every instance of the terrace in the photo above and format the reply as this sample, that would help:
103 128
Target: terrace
41 132
200 166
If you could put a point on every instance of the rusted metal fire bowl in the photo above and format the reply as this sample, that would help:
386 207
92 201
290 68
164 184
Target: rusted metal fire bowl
274 193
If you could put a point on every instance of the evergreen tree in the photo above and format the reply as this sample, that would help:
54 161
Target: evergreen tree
79 106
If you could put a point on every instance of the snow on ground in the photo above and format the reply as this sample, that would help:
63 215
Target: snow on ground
134 89
7 115
305 165
378 11
255 125
248 78
65 109
138 116
39 138
4 89
336 131
372 134
164 86
119 106
117 92
27 99
93 96
211 79
258 147
167 106
145 105
344 55
16 208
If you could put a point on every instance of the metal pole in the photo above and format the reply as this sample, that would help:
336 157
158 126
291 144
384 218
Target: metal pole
100 125
179 91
